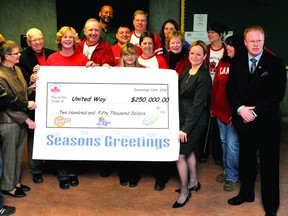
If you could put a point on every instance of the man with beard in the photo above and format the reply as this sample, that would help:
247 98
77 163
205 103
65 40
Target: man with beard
108 32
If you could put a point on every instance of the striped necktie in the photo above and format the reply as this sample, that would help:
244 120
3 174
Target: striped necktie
253 65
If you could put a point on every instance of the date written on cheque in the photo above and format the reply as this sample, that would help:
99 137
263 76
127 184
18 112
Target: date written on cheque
149 99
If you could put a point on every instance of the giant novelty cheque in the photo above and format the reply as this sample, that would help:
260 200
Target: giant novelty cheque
117 113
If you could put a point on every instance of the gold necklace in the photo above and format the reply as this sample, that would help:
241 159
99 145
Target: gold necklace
191 73
188 78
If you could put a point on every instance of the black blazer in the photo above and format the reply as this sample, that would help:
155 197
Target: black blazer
193 94
28 60
264 89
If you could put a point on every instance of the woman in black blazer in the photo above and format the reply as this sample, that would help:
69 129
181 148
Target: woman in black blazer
194 88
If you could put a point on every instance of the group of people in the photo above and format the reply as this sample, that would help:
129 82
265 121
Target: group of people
218 94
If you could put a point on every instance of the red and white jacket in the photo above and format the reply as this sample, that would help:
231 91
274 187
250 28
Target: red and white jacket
220 106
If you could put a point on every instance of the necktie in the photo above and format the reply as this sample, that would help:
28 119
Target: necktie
253 65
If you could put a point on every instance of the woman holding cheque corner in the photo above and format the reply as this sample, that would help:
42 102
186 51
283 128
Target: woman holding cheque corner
13 119
194 88
66 40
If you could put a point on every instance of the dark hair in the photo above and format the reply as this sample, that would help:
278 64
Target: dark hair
219 28
161 33
236 41
147 34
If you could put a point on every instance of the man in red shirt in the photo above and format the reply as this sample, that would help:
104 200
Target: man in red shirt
94 47
140 23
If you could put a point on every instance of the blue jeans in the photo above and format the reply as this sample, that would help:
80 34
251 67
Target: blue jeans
230 148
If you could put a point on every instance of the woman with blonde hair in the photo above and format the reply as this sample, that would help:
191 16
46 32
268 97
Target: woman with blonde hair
177 56
66 40
129 171
194 88
129 56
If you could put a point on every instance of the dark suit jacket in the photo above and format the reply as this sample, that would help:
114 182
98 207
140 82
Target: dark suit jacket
193 96
28 60
264 89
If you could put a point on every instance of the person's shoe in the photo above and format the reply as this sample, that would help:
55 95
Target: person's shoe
73 180
180 205
230 185
105 173
238 200
24 188
133 183
271 214
64 184
221 178
18 193
195 187
123 181
159 186
7 210
218 162
37 178
203 159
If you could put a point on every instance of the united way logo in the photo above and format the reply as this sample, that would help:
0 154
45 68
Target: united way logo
55 88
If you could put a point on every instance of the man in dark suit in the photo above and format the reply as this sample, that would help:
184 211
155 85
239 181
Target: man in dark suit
256 85
30 60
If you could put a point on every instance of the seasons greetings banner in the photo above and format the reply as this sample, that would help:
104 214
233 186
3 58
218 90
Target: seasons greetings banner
106 114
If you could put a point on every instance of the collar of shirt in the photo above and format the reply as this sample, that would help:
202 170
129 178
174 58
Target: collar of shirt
256 57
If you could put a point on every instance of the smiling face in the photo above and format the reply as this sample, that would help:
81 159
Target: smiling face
230 51
123 35
175 45
67 40
147 47
214 37
106 14
196 55
130 59
92 31
140 23
168 28
36 40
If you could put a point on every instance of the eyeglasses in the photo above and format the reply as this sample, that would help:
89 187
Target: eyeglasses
126 55
37 39
255 41
14 53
